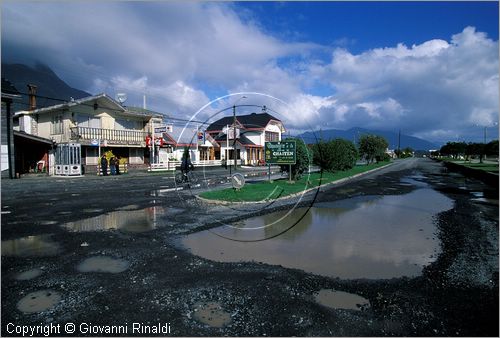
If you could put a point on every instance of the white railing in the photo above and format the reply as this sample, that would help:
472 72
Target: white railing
207 163
170 165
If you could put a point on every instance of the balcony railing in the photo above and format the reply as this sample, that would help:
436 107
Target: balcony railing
111 136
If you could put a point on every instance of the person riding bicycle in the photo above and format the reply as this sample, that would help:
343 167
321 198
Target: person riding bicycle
186 165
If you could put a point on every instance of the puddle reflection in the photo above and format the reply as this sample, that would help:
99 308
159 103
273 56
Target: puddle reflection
40 245
127 220
362 237
341 300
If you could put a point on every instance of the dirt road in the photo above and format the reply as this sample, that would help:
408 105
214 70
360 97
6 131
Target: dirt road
140 280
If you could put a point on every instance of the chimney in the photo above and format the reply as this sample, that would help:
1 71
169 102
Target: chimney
32 96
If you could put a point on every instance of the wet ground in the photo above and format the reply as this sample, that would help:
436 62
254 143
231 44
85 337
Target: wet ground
409 250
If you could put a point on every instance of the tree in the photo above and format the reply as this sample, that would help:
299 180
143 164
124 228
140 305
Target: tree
303 156
475 149
407 152
372 146
491 149
334 155
453 149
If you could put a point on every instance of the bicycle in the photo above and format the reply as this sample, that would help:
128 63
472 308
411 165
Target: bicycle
190 178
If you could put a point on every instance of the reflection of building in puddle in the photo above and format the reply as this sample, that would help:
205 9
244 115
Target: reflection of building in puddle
40 245
126 220
341 300
362 237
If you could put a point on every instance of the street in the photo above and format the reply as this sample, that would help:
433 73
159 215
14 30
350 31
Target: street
106 253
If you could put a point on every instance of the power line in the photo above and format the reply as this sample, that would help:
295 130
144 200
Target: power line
166 117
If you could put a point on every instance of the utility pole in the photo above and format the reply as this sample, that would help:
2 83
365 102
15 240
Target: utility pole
399 143
234 136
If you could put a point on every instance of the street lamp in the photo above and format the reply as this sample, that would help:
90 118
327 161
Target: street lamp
234 130
485 127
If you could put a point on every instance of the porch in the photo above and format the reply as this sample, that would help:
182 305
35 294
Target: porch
87 135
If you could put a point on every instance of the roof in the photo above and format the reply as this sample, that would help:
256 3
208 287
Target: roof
105 100
32 137
254 120
146 112
243 140
102 100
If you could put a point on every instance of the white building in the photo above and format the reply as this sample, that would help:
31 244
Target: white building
252 131
98 123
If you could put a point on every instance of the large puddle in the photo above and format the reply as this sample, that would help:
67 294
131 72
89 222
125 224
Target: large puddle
126 219
363 237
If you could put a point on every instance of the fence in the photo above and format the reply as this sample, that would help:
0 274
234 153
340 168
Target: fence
110 135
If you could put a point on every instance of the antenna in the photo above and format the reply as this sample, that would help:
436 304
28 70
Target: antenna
121 97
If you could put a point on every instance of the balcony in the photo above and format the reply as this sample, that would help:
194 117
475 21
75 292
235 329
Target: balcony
86 136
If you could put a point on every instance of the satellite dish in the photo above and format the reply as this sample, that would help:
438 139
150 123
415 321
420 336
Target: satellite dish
121 97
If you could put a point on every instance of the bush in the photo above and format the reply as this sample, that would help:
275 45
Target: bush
383 158
372 146
335 155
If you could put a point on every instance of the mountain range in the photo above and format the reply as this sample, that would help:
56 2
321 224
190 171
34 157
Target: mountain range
53 90
353 134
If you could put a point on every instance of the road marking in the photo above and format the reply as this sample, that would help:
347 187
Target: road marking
5 212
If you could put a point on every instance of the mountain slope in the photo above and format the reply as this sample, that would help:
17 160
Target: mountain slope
48 83
353 134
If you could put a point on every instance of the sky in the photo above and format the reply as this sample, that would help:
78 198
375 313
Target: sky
429 69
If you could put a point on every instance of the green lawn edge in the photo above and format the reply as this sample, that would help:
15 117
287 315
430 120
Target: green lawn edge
265 190
488 167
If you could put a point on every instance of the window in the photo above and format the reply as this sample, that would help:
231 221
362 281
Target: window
271 136
57 124
122 124
88 121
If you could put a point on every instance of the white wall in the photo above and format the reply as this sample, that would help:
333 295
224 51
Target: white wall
136 156
4 157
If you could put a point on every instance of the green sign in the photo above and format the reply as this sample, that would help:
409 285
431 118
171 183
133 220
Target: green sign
283 152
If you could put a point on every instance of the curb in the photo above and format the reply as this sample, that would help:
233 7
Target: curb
342 180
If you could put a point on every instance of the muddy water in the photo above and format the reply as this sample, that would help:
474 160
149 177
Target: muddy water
38 301
211 314
103 264
29 274
126 219
363 237
39 245
341 300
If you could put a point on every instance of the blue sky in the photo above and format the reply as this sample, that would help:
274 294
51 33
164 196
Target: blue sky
428 68
365 25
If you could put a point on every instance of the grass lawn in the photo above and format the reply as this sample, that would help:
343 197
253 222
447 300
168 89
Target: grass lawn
265 190
483 166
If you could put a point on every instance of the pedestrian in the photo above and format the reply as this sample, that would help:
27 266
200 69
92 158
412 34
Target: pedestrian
186 165
117 163
112 165
104 165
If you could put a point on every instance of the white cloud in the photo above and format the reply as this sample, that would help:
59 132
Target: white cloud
432 86
177 52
